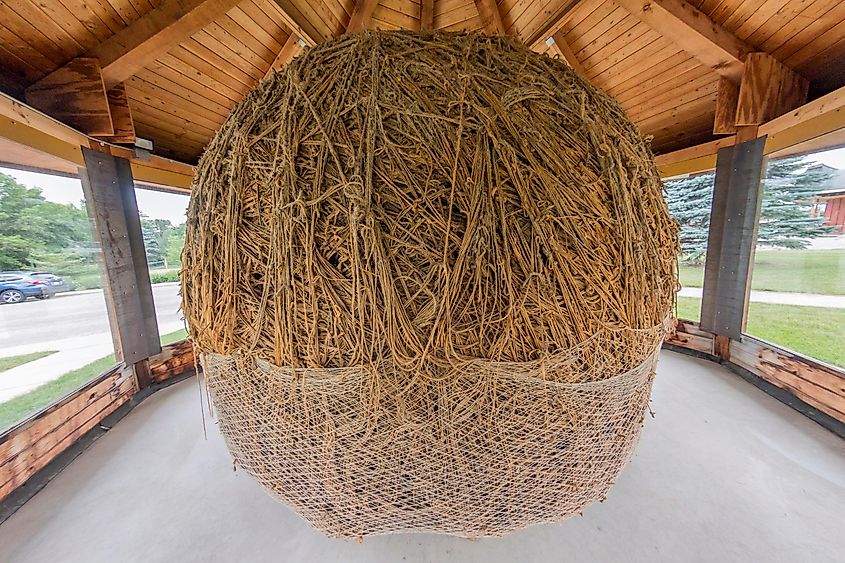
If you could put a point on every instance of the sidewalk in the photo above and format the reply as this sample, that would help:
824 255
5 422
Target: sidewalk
782 298
71 354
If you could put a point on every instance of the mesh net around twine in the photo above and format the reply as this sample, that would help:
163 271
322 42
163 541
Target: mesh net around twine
429 275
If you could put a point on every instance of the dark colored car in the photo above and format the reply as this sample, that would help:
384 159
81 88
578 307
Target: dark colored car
16 287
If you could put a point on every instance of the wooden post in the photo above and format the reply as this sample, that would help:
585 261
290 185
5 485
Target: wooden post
110 200
732 239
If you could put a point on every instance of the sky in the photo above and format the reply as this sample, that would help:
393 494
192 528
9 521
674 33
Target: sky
156 205
159 205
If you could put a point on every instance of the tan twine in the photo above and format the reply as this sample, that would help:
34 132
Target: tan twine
429 275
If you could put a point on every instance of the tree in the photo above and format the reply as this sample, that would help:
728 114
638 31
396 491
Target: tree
689 202
786 219
30 225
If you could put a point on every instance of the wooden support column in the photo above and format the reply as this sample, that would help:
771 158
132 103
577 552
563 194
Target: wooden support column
110 200
732 238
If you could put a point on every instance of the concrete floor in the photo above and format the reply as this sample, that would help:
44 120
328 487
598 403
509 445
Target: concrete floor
723 473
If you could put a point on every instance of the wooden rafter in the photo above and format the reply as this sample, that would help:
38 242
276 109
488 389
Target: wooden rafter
427 15
557 20
694 32
299 23
136 46
491 19
292 47
361 15
565 51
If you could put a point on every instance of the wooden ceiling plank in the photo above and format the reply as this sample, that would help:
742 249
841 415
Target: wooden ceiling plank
694 32
156 96
200 124
558 19
472 24
269 29
565 52
637 77
182 72
74 95
65 18
250 33
151 84
386 16
787 26
234 49
615 22
608 64
137 45
217 56
361 15
427 15
292 47
300 19
49 28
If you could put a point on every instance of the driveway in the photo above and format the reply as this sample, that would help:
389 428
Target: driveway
74 325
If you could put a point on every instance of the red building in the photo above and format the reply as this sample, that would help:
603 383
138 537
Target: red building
831 202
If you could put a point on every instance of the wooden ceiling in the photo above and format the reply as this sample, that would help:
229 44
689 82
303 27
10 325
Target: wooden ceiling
182 84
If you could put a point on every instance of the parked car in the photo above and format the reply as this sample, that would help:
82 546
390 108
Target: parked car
18 286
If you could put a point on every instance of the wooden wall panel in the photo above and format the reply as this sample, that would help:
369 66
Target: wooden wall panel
31 445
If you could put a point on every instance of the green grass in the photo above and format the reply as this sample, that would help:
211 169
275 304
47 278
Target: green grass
795 271
33 401
15 361
813 331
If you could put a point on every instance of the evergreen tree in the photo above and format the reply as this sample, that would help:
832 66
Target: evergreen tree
786 219
689 202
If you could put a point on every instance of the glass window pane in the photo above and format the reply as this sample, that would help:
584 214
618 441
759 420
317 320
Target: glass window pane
689 200
163 226
798 282
54 329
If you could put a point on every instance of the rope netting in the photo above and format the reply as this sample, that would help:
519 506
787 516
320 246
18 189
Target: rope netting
429 275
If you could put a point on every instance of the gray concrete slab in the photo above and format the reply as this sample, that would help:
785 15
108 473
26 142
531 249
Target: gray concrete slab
723 473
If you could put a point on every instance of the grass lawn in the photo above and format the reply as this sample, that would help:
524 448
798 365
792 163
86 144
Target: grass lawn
15 361
24 405
796 271
813 331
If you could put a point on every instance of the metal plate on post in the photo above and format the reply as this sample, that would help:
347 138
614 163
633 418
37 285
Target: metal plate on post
732 237
110 200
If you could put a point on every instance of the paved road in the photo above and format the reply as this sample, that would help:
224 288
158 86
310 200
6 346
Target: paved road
70 317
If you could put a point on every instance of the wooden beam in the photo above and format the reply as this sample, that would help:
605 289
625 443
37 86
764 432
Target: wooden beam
813 120
427 15
694 32
35 131
144 40
292 47
732 239
361 16
768 90
299 24
75 95
110 200
121 116
491 19
556 21
565 51
727 96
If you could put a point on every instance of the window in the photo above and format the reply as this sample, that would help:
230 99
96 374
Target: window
54 329
798 280
163 227
689 200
